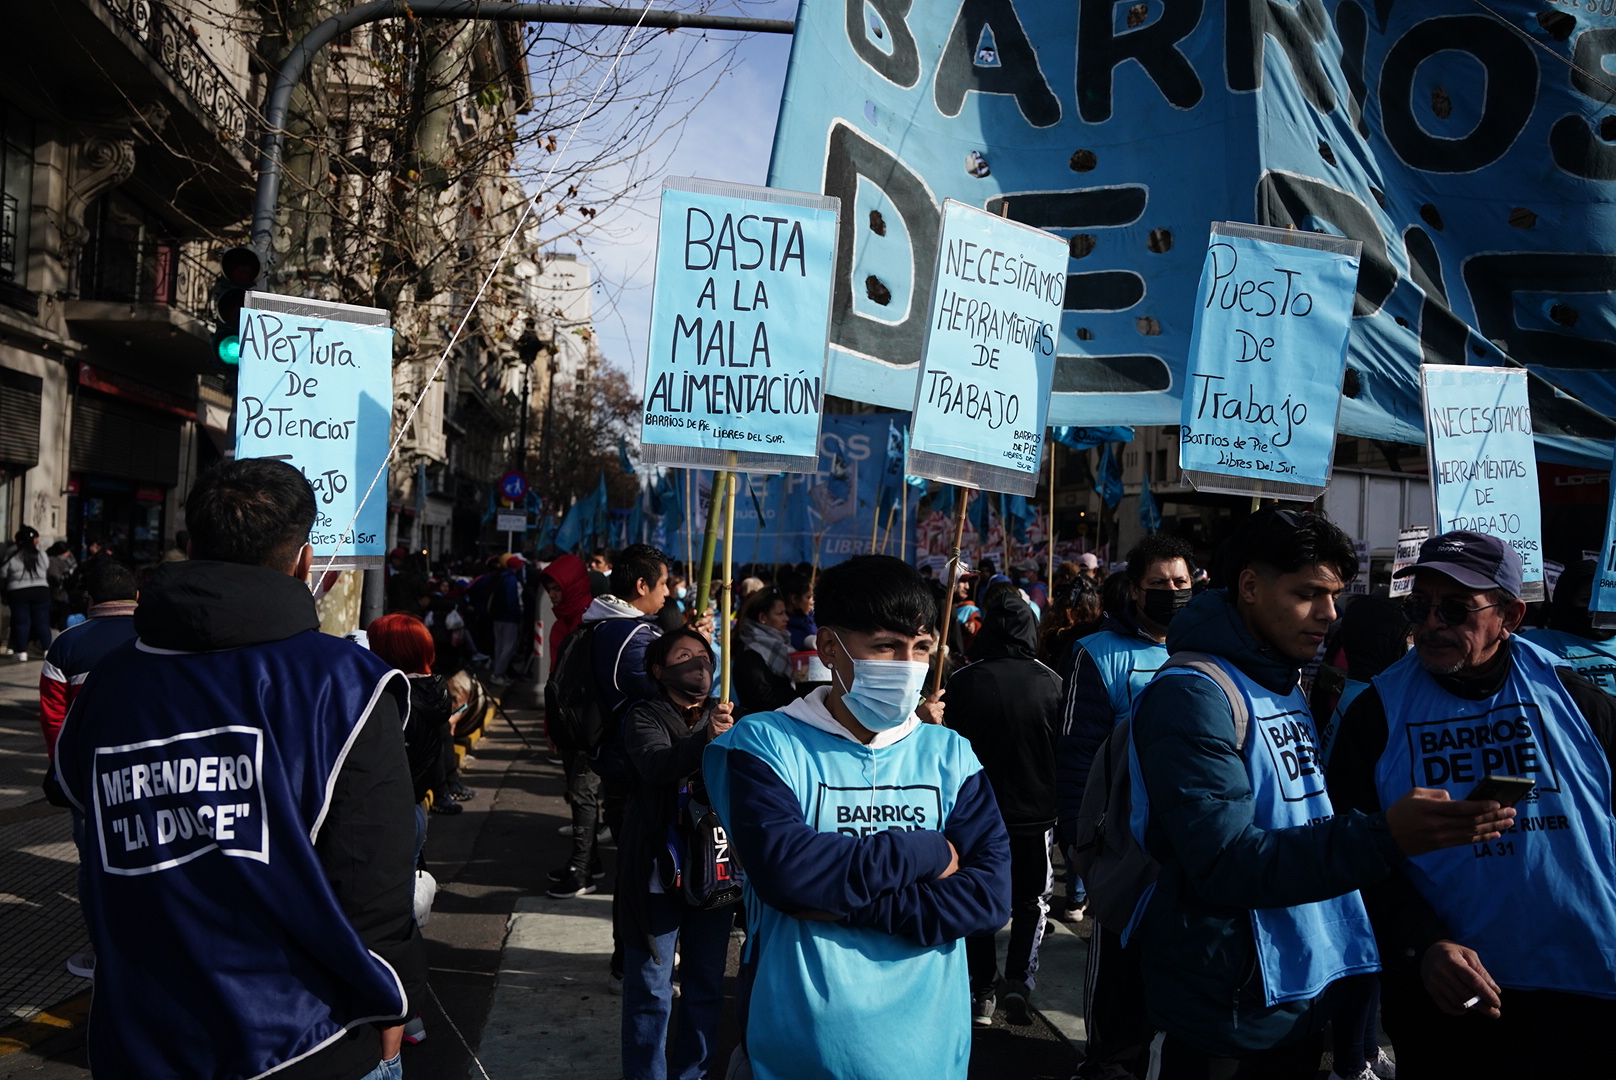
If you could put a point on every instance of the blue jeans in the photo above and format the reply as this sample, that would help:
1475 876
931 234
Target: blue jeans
390 1069
703 941
30 618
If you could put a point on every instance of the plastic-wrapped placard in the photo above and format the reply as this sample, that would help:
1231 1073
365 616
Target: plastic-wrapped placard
1272 321
740 316
1478 431
989 357
315 388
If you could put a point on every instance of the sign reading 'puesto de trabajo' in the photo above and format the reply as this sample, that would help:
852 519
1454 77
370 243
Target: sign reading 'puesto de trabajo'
739 324
1272 322
989 356
315 389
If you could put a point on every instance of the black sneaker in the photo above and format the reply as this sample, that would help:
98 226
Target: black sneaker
1014 999
460 791
446 806
597 872
573 883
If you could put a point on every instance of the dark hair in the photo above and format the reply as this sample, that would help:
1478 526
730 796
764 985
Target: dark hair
1115 594
868 593
252 511
1284 541
996 590
106 579
793 585
636 563
657 652
758 604
27 539
1155 548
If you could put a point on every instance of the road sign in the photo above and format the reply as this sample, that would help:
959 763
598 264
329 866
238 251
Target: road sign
513 485
511 522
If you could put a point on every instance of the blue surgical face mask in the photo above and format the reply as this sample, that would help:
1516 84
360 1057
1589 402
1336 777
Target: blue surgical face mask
884 693
679 592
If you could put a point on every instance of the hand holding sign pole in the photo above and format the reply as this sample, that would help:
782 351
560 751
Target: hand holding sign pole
1272 322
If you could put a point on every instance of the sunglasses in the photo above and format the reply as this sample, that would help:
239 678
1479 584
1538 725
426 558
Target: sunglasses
1449 612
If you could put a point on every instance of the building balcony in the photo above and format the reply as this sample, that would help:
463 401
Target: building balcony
145 297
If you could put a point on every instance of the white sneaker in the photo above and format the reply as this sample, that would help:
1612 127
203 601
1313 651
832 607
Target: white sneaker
82 964
1367 1074
22 657
1383 1066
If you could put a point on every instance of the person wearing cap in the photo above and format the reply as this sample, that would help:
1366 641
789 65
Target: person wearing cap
1571 635
1088 564
1499 957
1255 922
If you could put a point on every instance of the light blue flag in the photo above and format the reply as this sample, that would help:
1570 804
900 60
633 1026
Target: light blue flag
624 462
1087 438
576 525
1110 479
1017 513
1150 518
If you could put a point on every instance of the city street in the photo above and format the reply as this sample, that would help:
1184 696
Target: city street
517 976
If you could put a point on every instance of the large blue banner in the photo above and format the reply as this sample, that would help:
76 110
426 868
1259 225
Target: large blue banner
837 512
1462 144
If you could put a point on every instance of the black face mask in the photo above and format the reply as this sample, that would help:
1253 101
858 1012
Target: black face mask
1162 604
692 678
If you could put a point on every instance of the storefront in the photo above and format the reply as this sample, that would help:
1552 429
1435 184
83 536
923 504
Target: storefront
127 447
20 409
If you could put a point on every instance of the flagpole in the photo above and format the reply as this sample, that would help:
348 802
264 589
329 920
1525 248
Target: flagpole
963 496
903 523
709 542
729 580
1049 525
690 556
875 527
892 515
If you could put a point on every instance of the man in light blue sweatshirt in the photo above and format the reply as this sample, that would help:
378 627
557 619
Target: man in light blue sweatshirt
872 845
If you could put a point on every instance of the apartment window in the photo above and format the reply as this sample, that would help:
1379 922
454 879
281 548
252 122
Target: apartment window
16 192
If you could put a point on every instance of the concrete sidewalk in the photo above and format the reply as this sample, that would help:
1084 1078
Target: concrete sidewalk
552 1015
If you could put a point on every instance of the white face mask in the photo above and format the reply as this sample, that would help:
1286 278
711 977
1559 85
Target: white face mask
884 693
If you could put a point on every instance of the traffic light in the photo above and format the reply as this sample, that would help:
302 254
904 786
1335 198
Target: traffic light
239 270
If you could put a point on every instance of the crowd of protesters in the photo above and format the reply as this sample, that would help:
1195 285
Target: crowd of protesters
1281 866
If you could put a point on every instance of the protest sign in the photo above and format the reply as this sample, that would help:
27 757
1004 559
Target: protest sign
1272 320
1478 429
1408 553
1359 586
315 388
739 321
989 355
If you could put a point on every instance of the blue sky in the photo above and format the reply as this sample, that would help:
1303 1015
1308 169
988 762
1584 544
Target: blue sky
726 137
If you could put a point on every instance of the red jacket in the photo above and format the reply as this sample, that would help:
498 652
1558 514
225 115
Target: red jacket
571 576
74 652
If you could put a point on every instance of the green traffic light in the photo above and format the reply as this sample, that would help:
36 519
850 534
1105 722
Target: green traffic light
230 349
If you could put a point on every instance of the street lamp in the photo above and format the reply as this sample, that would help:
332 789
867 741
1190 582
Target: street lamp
527 349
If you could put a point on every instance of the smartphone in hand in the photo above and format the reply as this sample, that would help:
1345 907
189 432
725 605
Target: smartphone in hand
1503 790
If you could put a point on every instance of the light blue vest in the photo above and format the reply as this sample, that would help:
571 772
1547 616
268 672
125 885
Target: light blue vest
221 949
1302 949
1332 727
1126 663
1539 903
1593 660
842 1002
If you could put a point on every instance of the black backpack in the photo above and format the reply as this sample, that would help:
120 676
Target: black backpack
1115 868
576 718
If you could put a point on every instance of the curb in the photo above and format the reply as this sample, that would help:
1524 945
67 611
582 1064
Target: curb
53 1023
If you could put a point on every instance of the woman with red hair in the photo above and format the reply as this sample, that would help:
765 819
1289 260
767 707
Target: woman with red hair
404 641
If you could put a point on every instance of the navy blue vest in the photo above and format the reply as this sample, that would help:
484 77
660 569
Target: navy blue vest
221 950
1538 904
